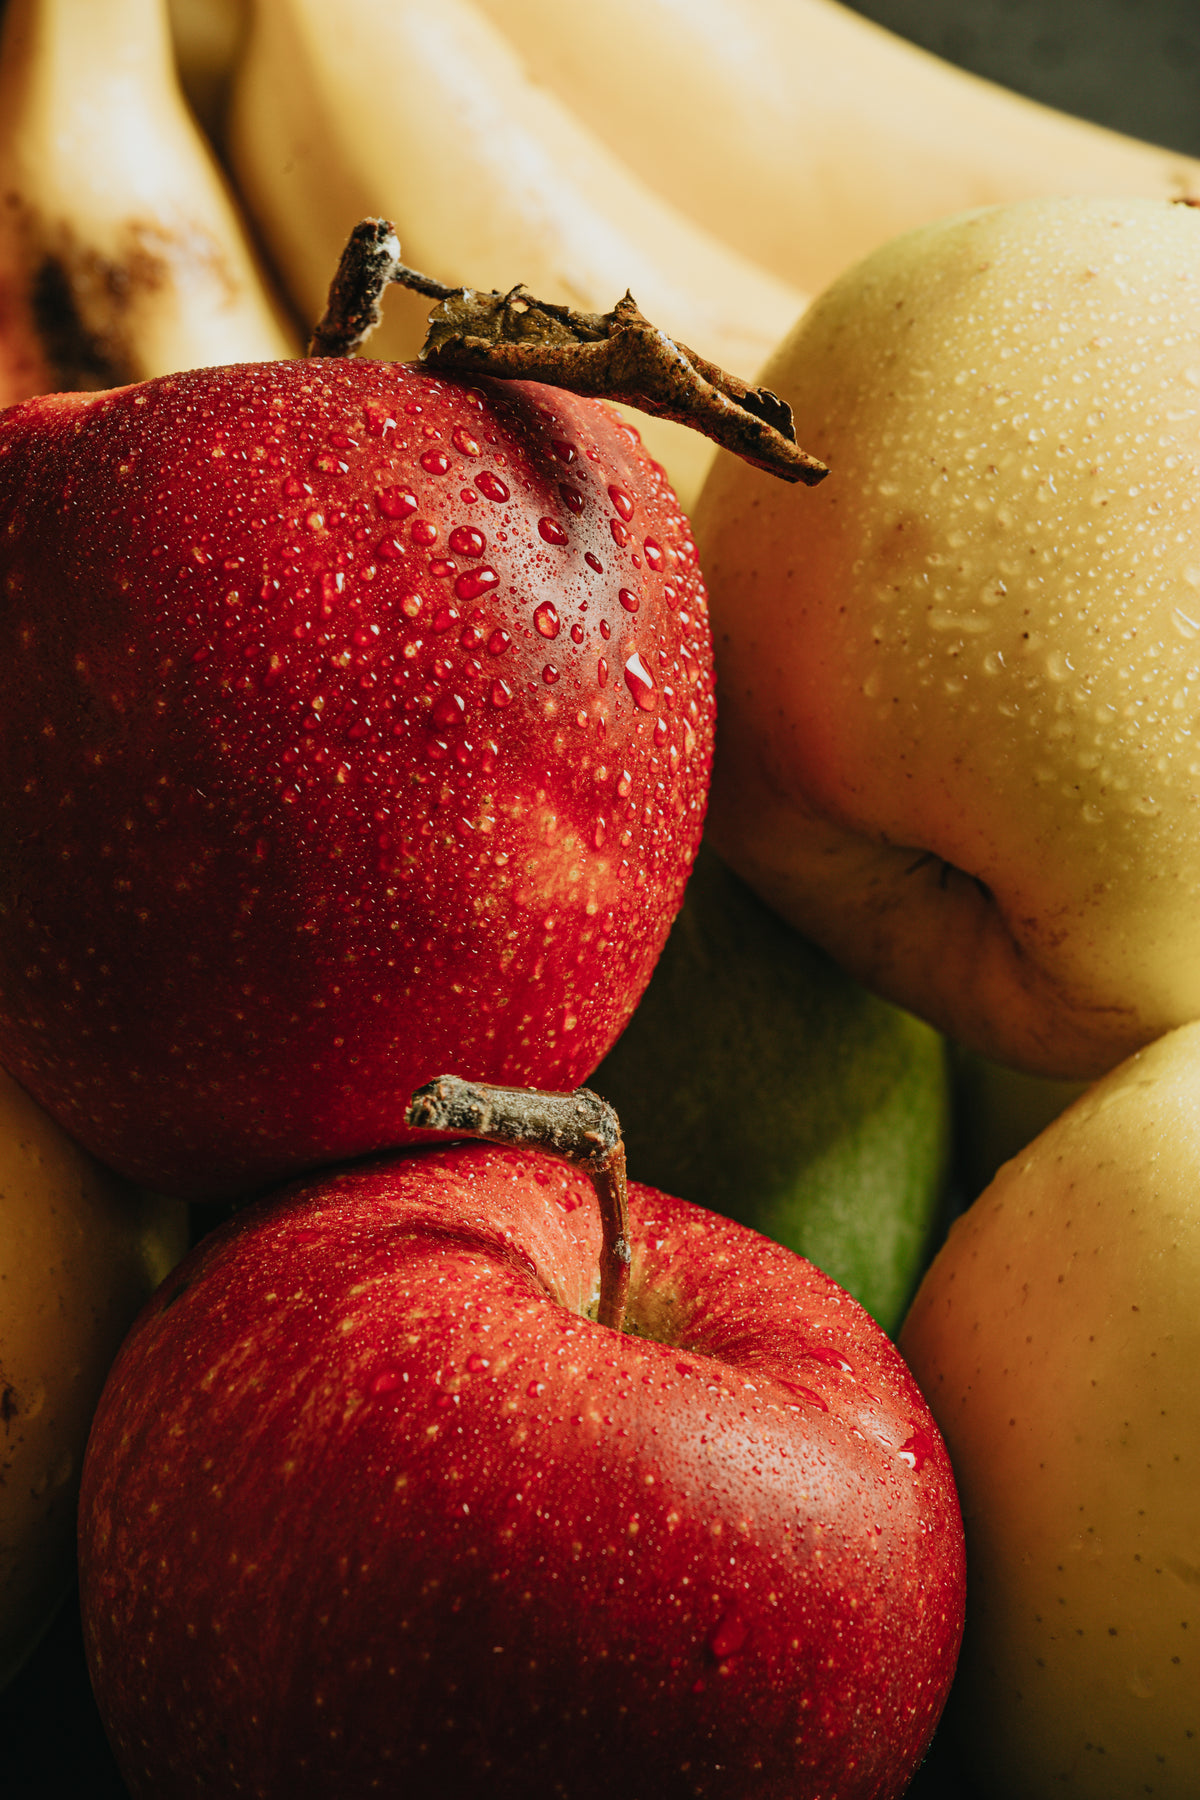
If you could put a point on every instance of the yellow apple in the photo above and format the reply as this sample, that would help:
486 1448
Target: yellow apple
1057 1339
80 1252
959 679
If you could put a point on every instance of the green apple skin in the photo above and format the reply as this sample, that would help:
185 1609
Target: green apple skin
1057 1339
758 1078
959 679
80 1253
997 1112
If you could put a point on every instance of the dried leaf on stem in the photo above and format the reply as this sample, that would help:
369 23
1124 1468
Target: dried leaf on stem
618 355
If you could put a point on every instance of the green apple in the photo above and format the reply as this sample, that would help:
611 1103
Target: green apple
80 1252
760 1080
1057 1339
959 679
997 1112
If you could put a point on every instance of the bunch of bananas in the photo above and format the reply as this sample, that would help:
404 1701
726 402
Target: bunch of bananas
722 161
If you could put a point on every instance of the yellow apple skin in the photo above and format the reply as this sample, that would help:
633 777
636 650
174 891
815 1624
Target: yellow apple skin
80 1252
1057 1339
959 679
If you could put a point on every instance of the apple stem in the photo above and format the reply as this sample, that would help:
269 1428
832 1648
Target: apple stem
618 355
581 1128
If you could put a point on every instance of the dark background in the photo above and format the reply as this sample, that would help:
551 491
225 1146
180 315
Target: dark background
1130 64
1133 65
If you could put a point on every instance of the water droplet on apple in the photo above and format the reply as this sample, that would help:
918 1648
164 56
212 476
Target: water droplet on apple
623 502
396 503
466 540
552 532
546 619
378 417
450 709
652 550
474 582
491 486
571 497
916 1449
463 442
435 462
640 682
806 1393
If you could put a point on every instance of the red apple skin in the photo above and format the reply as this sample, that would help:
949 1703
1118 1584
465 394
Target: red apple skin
369 1506
356 724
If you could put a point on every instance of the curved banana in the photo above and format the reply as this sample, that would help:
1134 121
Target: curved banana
121 253
206 35
419 111
804 134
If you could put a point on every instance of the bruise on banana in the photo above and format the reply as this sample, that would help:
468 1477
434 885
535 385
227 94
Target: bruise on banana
82 305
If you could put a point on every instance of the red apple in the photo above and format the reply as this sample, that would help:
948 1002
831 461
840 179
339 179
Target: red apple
356 722
372 1504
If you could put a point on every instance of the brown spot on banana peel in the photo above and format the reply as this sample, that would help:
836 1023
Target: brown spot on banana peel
81 305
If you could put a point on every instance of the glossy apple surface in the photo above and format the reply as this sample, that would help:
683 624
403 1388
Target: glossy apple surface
1058 1341
371 1500
356 724
80 1254
958 679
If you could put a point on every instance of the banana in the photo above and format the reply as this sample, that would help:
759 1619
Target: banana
121 252
803 134
419 111
206 35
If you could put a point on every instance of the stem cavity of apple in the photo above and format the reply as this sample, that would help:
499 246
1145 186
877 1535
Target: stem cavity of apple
581 1128
618 355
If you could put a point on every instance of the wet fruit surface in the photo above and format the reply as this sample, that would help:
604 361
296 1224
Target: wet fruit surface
371 1501
333 753
959 679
